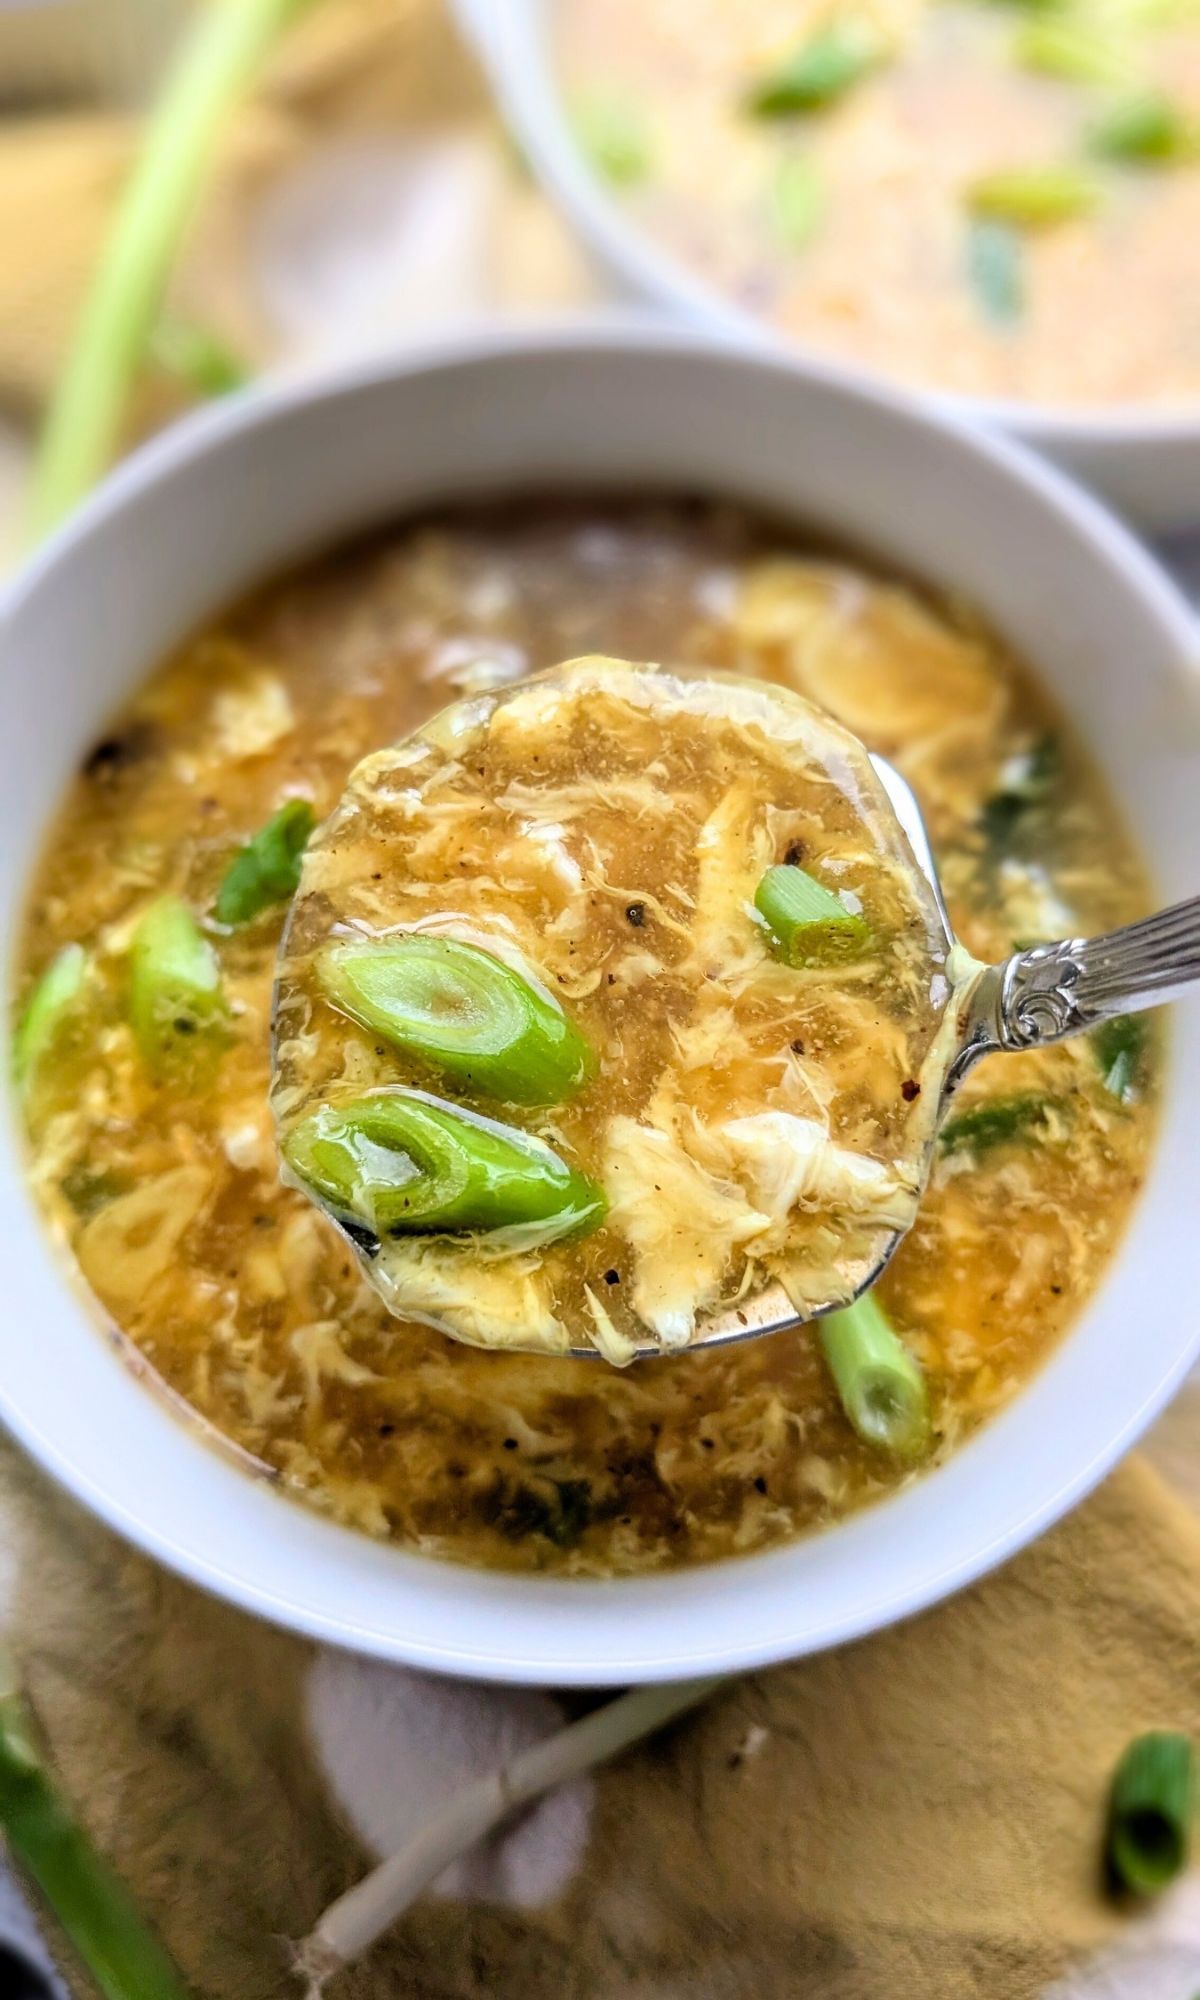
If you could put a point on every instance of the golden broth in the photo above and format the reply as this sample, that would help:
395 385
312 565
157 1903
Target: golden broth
246 1302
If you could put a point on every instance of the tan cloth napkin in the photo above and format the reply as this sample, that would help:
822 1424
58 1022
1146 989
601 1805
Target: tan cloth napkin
915 1818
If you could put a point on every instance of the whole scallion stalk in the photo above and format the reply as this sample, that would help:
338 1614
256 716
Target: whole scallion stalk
91 1905
882 1389
218 61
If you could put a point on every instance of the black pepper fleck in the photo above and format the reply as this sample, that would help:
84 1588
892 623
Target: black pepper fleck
510 1444
797 1047
612 1277
795 854
636 914
760 1485
910 1089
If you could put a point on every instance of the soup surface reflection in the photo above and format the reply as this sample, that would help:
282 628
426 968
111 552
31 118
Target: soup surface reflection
160 1178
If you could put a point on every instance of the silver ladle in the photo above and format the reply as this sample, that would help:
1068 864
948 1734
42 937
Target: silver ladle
1029 1000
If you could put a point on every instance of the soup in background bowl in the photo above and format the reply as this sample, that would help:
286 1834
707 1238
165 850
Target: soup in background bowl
252 1317
936 198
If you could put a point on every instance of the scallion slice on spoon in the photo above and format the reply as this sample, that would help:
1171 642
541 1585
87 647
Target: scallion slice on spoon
882 1389
398 1162
464 1011
808 923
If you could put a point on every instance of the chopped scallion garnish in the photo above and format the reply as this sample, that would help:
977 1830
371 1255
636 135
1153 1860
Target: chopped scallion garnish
797 201
1034 197
820 71
1149 130
174 982
1121 1046
996 1123
1077 50
197 357
464 1011
996 267
809 925
267 869
397 1162
613 134
1150 1812
47 1011
882 1389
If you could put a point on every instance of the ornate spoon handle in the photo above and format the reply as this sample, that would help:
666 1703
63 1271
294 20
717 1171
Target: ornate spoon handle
1056 990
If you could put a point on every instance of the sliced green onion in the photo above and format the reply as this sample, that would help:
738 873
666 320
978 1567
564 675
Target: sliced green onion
218 59
462 1010
809 925
174 981
47 1011
1034 197
613 134
398 1162
1027 780
797 201
1121 1046
92 1906
1075 50
820 71
882 1389
1149 130
996 1123
996 268
1150 1812
267 869
197 357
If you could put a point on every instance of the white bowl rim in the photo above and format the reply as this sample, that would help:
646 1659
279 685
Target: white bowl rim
203 434
513 50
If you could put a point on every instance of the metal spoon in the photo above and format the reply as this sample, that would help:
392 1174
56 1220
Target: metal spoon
1031 999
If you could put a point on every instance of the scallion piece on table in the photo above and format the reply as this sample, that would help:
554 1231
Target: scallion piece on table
797 201
398 1162
174 982
613 134
197 357
882 1389
1150 1812
464 1011
267 869
820 71
47 1011
809 925
1034 197
998 1122
1120 1047
91 1905
1077 51
996 268
1149 130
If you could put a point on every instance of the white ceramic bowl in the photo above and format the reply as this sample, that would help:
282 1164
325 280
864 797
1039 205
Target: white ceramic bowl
1146 462
257 484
